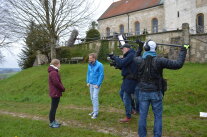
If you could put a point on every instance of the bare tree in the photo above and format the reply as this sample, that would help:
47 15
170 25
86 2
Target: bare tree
6 30
56 17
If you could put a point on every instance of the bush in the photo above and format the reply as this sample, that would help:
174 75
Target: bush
76 51
63 52
92 34
103 51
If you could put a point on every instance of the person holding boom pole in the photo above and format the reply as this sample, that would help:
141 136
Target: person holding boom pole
152 84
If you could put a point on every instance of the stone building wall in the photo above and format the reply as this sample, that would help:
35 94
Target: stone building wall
144 17
170 17
178 12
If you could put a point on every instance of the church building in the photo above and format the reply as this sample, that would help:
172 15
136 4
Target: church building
136 17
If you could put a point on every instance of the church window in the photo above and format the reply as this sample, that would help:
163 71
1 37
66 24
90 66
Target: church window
154 25
200 23
137 28
121 29
108 32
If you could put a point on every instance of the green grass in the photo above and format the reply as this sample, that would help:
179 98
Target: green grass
27 92
13 127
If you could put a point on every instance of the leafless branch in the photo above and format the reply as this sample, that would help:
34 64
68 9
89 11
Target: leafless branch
56 17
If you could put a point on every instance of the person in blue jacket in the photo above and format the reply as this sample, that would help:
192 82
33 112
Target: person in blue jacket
95 76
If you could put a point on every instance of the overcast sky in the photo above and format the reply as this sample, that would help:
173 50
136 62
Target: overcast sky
11 58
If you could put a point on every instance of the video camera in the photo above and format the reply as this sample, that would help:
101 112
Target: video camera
121 39
112 62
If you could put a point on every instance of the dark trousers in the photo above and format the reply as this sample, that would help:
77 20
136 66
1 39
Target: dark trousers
121 93
54 106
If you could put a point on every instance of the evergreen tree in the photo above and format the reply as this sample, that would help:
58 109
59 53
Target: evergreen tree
36 40
93 33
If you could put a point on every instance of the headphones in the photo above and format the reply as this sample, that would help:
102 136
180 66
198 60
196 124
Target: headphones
147 47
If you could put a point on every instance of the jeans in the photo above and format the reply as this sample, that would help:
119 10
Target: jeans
128 104
127 101
155 99
136 97
121 93
133 103
54 106
94 98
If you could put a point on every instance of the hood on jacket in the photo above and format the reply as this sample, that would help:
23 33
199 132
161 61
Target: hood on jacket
50 68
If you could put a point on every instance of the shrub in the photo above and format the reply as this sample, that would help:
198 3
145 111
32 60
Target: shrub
92 34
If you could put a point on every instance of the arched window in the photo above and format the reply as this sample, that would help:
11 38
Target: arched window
137 28
121 27
107 31
200 23
154 25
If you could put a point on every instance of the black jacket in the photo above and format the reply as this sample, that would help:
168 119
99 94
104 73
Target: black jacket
127 66
160 64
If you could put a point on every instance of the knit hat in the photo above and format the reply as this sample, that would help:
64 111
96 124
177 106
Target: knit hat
150 46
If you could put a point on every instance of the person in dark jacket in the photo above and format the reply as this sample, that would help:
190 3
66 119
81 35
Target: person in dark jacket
135 102
55 90
128 70
150 68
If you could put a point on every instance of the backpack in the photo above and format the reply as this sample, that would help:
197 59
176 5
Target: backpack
145 75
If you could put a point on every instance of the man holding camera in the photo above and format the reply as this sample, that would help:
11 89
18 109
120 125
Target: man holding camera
128 68
150 69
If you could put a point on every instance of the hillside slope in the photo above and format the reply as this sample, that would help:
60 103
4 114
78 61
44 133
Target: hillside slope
185 98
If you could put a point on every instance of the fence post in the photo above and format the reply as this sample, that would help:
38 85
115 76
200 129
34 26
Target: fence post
186 37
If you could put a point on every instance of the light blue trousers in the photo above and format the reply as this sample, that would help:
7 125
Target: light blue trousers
94 98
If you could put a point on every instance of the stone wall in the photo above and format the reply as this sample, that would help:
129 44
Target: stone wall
198 43
198 52
170 37
40 59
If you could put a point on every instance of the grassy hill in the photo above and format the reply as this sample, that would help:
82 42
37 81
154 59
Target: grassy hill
27 93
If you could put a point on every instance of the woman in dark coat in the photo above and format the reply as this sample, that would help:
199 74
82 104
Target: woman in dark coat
55 90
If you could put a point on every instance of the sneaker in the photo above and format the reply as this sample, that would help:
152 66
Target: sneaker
125 120
56 122
94 116
90 114
53 125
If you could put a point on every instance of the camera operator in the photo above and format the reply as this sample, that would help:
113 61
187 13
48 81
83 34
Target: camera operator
128 68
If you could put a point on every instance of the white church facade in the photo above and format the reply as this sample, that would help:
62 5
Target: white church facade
135 17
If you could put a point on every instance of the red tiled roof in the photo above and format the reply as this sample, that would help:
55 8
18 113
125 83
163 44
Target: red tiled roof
126 6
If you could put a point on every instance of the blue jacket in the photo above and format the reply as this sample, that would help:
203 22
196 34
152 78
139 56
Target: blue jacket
95 74
128 66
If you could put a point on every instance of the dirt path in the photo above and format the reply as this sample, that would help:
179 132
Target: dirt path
73 123
109 109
